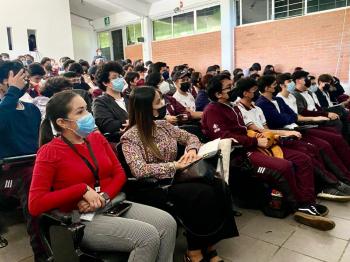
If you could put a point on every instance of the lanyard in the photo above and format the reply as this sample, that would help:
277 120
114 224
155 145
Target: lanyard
93 169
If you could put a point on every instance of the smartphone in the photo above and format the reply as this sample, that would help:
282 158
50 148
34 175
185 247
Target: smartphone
118 210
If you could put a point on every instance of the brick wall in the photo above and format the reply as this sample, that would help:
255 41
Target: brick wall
312 42
133 52
199 51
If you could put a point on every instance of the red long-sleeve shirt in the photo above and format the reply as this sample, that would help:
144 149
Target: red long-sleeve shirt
60 176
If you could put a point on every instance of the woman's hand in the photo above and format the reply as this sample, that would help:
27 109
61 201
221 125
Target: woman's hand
94 200
263 142
189 157
84 207
171 119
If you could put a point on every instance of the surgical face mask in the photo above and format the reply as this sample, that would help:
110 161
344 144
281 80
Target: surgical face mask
86 125
42 81
118 84
256 95
185 87
313 88
291 87
29 62
24 63
161 113
99 53
164 87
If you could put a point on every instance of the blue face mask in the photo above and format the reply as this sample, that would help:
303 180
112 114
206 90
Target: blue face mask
291 87
313 88
118 84
86 125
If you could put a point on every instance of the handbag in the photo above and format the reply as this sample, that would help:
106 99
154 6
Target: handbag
201 170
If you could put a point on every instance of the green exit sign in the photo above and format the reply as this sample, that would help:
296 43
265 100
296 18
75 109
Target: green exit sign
107 21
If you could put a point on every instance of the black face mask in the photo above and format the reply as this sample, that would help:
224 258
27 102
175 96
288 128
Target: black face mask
185 87
326 87
161 113
307 82
232 95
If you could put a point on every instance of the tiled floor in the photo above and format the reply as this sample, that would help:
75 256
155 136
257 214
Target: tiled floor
261 239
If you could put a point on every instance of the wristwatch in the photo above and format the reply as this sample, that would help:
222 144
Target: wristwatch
106 197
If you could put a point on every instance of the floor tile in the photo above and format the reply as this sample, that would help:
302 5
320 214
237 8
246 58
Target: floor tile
246 249
346 255
316 244
273 230
336 209
286 255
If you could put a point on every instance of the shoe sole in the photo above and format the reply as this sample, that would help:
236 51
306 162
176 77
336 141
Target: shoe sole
318 222
333 197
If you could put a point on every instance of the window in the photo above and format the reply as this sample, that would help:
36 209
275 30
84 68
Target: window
9 37
321 5
104 44
162 28
255 11
132 33
183 24
31 34
288 8
208 19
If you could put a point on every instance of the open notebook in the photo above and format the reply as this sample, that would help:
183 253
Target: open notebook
209 149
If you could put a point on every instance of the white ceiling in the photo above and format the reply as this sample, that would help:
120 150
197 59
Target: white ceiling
93 9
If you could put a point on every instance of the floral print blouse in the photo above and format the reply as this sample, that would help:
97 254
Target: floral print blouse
166 138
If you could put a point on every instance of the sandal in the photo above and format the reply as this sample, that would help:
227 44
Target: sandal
3 242
211 254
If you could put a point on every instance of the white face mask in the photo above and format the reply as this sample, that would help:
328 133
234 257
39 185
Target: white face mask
164 87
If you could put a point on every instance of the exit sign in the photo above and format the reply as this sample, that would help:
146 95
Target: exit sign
107 21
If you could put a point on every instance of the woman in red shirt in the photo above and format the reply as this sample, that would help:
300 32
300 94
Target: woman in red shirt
79 170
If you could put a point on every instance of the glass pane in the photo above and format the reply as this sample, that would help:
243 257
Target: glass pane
162 29
238 12
132 33
208 19
340 3
104 44
183 24
254 11
288 8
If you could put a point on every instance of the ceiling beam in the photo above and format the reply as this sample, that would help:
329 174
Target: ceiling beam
136 7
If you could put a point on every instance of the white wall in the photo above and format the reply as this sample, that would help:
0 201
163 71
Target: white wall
116 20
50 19
84 39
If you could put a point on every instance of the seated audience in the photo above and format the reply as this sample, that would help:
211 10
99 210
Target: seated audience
131 78
202 99
19 129
272 107
36 74
222 120
63 181
150 149
182 95
111 109
196 78
176 113
141 70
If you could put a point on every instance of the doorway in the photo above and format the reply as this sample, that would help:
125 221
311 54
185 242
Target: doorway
118 47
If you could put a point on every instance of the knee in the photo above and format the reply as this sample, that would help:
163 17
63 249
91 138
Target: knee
167 224
149 237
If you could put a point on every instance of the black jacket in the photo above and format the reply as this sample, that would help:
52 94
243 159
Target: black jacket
322 99
109 116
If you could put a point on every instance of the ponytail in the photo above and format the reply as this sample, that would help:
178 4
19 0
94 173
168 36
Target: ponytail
46 134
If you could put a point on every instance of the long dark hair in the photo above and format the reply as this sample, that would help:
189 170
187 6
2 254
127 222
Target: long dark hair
141 115
57 107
